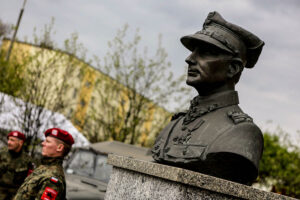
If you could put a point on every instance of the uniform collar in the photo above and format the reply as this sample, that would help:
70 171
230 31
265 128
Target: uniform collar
222 99
15 154
202 105
52 161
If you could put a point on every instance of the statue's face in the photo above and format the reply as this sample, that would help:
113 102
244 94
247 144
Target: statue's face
207 65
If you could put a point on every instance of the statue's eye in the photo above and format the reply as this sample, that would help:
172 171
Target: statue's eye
214 51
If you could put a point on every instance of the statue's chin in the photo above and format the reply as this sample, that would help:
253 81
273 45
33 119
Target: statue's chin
192 82
205 88
195 83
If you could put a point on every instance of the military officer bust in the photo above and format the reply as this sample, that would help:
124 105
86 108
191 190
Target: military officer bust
215 136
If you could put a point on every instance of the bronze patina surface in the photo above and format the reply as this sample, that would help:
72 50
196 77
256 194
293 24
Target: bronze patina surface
215 136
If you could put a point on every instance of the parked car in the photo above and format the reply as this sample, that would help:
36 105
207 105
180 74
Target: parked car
87 171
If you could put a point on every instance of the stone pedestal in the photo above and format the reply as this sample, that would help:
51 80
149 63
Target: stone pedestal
137 179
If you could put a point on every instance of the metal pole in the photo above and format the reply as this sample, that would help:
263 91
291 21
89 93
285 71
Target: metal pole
15 33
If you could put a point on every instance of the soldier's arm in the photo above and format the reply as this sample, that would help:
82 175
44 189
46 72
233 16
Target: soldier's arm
51 188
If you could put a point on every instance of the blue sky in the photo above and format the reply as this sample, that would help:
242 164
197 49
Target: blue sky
268 92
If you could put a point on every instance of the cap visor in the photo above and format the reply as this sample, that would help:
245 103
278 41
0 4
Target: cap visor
192 41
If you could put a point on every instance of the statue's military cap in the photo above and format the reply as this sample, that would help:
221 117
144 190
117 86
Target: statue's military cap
17 134
216 31
60 134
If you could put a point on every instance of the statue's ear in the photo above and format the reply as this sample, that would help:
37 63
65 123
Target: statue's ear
234 68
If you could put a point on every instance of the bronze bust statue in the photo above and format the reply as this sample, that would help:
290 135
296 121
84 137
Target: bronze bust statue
215 136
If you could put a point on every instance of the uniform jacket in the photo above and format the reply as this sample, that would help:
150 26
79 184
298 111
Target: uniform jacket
214 137
46 182
14 167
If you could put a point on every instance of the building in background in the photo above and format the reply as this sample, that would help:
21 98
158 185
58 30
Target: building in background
95 103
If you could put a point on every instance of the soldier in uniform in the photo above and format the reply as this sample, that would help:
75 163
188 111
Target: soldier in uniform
215 136
15 165
47 182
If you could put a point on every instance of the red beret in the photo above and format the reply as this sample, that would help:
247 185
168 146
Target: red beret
17 134
60 134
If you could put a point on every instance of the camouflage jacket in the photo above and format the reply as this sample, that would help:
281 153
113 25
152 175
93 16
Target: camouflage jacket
14 167
46 182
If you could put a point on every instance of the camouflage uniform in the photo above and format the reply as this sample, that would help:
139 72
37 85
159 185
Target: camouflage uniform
46 182
14 168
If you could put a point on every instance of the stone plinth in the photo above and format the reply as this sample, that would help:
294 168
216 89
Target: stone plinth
137 179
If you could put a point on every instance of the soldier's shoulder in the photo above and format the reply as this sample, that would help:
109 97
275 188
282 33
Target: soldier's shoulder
45 171
53 178
53 170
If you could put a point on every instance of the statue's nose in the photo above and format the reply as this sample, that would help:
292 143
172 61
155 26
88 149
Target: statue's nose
190 60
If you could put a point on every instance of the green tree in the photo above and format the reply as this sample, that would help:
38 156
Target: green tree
7 75
40 80
5 29
10 73
139 84
280 165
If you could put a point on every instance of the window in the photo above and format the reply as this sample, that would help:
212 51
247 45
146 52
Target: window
87 84
82 102
88 164
93 101
75 93
70 113
83 163
103 170
77 122
123 102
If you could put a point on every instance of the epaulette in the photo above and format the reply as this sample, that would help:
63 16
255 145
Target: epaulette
238 117
177 115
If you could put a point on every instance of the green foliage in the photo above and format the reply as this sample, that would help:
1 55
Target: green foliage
41 78
10 73
280 165
135 86
11 80
5 29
